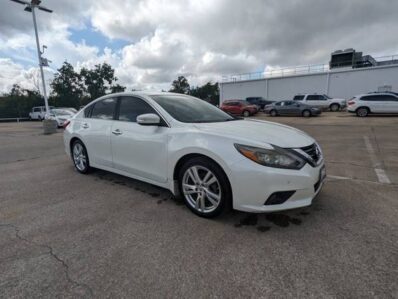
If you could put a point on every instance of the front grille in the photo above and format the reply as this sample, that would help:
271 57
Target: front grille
312 151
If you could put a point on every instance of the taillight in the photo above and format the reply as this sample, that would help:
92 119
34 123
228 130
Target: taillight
351 103
66 123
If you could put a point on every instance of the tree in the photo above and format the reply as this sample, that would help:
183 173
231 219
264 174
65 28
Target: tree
117 88
67 87
208 92
180 85
98 80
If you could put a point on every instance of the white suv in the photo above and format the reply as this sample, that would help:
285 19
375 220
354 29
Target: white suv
321 101
38 112
376 102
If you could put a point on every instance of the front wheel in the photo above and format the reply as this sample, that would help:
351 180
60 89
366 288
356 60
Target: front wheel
334 107
80 157
273 113
246 113
204 187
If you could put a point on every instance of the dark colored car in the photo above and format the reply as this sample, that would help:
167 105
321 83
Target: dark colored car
291 108
259 101
239 107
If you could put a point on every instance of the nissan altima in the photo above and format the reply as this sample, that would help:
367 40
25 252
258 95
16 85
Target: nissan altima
211 159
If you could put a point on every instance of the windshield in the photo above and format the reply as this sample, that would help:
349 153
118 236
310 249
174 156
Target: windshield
326 96
188 109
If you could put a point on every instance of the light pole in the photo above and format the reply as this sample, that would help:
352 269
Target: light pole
30 7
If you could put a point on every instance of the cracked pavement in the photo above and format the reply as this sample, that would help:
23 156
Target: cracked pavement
65 235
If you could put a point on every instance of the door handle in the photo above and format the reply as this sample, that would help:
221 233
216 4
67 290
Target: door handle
117 132
85 125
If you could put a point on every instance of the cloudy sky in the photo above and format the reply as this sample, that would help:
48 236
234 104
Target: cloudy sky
149 43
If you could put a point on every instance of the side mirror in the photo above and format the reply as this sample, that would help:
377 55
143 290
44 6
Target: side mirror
148 119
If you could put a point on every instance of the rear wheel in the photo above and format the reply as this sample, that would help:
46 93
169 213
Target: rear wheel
80 157
204 187
273 113
246 113
334 107
362 112
306 113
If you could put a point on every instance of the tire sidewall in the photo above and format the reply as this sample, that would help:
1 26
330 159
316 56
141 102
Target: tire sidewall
306 113
87 169
332 107
225 203
246 113
362 109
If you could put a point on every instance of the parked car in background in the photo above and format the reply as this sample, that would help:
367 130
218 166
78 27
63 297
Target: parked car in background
291 108
61 116
239 107
38 113
74 110
259 101
197 151
375 102
321 101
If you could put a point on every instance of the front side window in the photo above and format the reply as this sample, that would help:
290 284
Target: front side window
188 109
131 107
313 98
104 109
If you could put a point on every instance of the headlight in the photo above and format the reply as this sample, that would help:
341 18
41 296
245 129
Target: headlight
276 157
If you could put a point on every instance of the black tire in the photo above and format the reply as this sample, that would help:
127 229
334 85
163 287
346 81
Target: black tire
362 111
246 113
334 107
83 170
223 184
306 113
39 118
273 113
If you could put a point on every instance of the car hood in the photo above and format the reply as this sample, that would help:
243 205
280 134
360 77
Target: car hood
259 131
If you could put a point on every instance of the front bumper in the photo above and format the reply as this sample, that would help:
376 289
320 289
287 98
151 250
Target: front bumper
252 184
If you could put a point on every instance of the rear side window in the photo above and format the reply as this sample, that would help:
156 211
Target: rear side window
104 109
131 107
314 98
298 98
372 98
388 98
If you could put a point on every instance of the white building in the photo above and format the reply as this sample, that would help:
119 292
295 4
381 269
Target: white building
335 81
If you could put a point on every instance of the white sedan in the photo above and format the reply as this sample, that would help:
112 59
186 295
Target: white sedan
61 116
197 151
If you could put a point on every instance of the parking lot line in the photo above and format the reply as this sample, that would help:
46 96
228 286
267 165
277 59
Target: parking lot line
380 173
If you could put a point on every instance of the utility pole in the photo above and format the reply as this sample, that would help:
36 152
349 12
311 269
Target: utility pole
30 7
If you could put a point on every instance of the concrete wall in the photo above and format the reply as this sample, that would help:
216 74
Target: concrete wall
337 83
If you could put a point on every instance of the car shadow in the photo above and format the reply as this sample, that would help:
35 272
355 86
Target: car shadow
261 222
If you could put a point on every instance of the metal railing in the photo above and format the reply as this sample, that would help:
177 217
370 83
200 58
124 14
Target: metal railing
12 119
299 70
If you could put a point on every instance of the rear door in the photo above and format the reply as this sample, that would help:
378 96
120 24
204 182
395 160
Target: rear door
96 131
389 103
374 103
136 149
316 100
290 108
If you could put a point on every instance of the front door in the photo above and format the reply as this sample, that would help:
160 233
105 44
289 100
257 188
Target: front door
136 149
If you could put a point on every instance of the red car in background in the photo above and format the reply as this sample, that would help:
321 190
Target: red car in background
239 107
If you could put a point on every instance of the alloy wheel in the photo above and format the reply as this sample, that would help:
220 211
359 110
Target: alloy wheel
362 112
201 189
79 157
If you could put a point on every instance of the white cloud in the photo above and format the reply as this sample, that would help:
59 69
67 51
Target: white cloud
199 39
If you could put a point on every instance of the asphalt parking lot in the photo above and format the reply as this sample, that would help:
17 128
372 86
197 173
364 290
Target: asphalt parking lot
63 234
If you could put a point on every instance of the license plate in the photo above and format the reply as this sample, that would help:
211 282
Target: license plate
322 173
